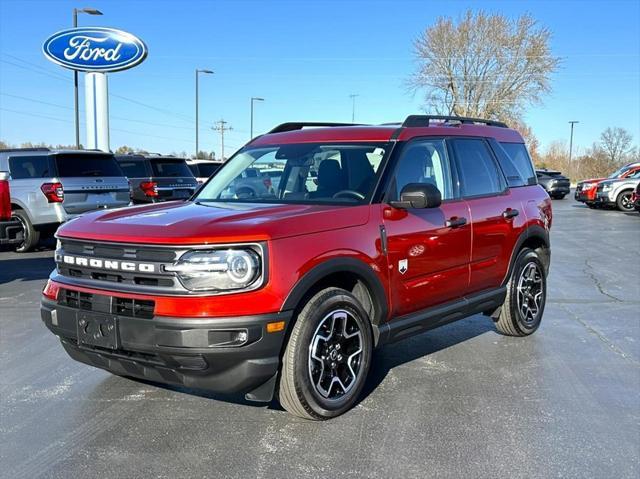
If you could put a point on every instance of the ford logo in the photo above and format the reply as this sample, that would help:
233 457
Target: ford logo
95 49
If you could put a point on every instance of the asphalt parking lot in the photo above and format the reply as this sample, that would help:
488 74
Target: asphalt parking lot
460 401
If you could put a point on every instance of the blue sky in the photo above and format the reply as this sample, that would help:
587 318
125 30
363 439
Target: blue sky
304 58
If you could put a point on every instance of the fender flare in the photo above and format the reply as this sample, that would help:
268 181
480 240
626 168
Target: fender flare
341 265
532 232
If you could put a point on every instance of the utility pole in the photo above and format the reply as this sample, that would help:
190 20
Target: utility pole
221 127
571 145
353 106
209 72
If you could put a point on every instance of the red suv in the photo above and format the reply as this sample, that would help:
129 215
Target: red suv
370 235
586 190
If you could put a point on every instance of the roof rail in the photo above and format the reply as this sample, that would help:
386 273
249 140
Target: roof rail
35 148
291 126
424 120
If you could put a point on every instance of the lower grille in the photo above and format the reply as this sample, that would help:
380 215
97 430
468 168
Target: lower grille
132 308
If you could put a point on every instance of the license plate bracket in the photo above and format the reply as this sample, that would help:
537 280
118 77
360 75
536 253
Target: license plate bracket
98 329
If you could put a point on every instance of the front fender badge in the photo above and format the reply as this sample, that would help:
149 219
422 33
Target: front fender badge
403 266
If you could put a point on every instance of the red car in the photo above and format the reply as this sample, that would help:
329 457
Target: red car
10 228
371 235
586 190
635 198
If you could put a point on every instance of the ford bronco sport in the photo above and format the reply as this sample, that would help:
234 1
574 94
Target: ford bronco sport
402 228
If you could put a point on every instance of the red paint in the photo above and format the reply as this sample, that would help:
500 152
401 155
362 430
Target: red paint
5 201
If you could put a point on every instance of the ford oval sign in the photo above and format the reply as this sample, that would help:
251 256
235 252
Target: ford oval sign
95 49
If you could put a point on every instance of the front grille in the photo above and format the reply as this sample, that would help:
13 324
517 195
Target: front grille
132 308
95 272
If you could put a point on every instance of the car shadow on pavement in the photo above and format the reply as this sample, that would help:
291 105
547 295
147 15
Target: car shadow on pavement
421 346
25 269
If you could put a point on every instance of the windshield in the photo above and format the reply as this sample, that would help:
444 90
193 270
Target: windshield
620 171
75 164
170 168
299 173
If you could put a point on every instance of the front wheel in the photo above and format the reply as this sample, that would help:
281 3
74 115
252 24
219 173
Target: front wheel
523 306
623 202
327 358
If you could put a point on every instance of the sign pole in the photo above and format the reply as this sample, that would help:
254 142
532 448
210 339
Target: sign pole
97 111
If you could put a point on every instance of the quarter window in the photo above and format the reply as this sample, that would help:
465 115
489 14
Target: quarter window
424 162
521 160
479 174
25 167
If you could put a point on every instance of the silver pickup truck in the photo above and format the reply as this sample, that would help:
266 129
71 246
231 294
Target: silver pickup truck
49 187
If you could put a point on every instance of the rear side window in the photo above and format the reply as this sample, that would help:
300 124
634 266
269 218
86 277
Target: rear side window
479 173
207 169
170 168
75 165
521 160
25 167
133 169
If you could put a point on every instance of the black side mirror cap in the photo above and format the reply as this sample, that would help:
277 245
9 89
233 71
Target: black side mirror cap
418 195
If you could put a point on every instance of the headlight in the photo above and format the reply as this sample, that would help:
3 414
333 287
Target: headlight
607 187
227 269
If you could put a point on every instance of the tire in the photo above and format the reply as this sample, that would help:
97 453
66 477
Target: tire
593 206
559 197
623 201
520 314
31 236
308 385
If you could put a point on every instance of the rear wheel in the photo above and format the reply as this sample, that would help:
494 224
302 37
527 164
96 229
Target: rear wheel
31 237
523 306
327 358
623 202
559 196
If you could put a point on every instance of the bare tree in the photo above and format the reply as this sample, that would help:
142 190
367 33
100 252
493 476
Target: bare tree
485 65
616 143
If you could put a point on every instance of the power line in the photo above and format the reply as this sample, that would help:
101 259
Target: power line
221 127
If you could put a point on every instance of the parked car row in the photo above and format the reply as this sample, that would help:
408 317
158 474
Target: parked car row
614 191
42 188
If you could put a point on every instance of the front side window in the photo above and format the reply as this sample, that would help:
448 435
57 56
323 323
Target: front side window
479 174
298 173
77 165
25 167
423 161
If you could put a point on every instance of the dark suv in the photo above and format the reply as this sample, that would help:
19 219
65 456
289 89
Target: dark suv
371 234
555 183
157 178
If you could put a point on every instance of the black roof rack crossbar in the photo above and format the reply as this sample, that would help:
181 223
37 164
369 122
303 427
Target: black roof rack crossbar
35 148
291 126
424 120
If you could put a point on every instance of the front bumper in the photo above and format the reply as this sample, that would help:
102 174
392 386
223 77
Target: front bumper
603 198
10 232
187 352
584 197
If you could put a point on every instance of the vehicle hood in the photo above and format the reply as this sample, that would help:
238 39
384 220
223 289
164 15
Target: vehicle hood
204 223
592 180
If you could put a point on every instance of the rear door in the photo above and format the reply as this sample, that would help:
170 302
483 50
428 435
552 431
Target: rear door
28 174
428 249
494 211
174 178
91 181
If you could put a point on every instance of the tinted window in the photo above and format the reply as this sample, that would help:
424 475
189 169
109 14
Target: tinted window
22 167
172 168
133 169
479 174
514 178
207 169
87 165
521 160
424 162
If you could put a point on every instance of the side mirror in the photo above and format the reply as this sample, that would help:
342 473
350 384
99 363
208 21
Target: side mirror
418 195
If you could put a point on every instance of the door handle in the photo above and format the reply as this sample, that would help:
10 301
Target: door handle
455 222
510 213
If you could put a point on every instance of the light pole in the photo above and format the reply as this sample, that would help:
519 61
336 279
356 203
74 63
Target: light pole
209 72
353 106
88 11
253 98
571 145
